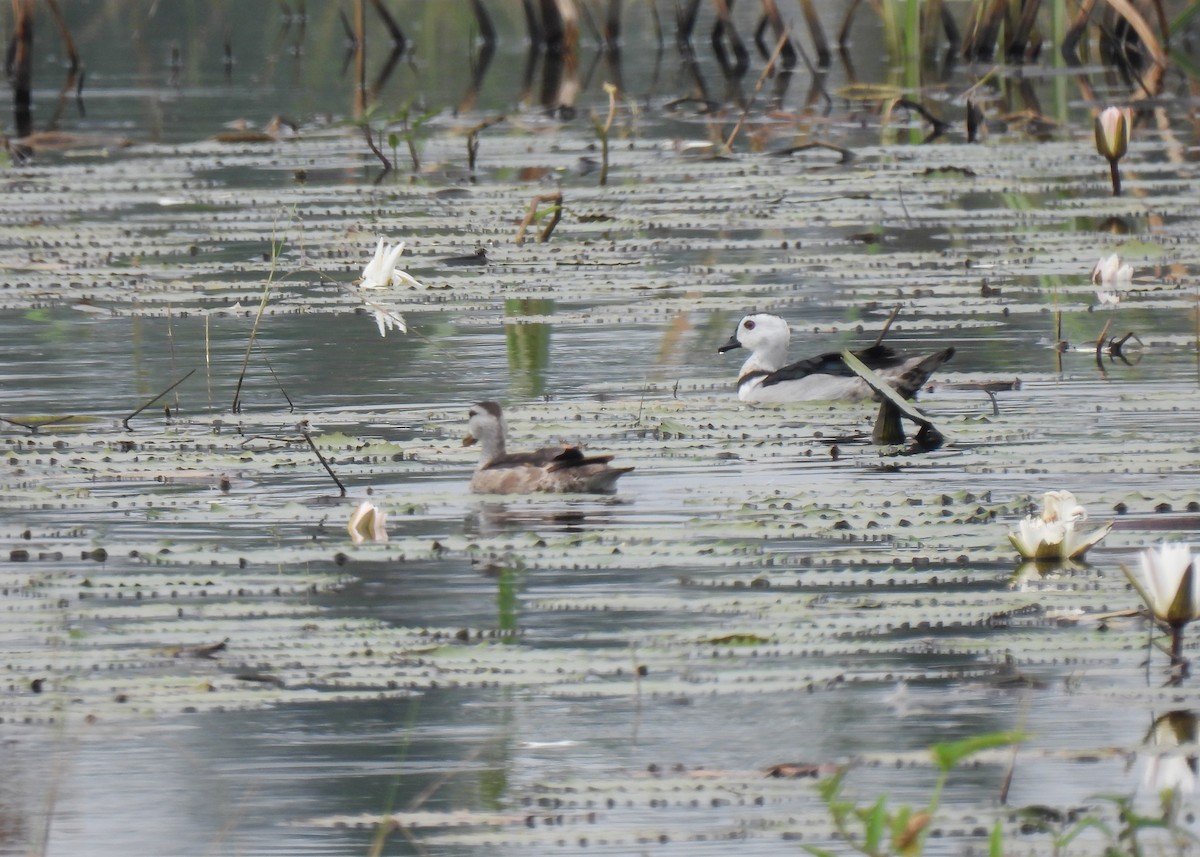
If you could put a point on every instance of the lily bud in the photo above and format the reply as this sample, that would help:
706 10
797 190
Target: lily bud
368 524
1113 126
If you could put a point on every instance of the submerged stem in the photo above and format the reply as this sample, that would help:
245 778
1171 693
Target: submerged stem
1179 664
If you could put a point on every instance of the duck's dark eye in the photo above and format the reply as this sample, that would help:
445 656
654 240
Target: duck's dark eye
748 324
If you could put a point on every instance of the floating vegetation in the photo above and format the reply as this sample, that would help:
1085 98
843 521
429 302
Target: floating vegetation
198 399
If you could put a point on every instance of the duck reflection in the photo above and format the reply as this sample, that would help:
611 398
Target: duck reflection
492 518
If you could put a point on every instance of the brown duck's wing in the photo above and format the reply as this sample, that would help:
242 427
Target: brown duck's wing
574 456
544 457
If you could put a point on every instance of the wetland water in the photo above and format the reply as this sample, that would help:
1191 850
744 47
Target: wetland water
561 675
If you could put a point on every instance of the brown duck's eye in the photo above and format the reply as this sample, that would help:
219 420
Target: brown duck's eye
749 325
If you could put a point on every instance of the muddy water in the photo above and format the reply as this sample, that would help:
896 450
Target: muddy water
558 674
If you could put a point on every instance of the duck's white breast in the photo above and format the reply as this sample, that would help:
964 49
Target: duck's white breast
810 388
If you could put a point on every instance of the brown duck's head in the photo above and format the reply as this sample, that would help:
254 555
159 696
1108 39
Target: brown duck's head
485 425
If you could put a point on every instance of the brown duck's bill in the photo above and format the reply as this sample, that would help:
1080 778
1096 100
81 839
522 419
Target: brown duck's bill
468 440
730 345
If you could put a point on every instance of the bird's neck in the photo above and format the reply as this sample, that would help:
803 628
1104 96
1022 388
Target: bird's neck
765 360
491 448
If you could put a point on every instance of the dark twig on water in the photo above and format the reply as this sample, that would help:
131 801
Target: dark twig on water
348 29
887 325
989 387
64 33
125 422
762 78
19 65
390 23
847 155
603 129
473 139
303 426
817 32
387 165
939 127
1100 338
278 383
1113 346
531 213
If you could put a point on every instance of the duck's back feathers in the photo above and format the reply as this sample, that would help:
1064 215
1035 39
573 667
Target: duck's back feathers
551 469
878 357
906 374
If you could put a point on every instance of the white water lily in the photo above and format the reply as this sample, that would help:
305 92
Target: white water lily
1053 534
1169 584
1113 275
368 523
1061 506
382 272
1111 271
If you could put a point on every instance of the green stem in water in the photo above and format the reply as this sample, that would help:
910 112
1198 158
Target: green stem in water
1115 170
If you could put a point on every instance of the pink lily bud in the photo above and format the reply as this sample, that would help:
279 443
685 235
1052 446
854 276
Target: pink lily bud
1112 132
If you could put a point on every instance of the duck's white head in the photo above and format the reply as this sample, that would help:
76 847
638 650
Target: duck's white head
485 424
766 336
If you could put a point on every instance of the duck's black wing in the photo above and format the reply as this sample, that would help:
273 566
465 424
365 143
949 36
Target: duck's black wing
876 357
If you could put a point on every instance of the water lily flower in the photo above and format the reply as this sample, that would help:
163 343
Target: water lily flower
1111 271
1112 274
368 523
382 272
1061 506
1053 534
1113 127
1170 587
1169 584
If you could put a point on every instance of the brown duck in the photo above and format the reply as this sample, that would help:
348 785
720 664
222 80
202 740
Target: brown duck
552 468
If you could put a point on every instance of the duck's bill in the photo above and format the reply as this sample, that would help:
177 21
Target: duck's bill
730 345
468 440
